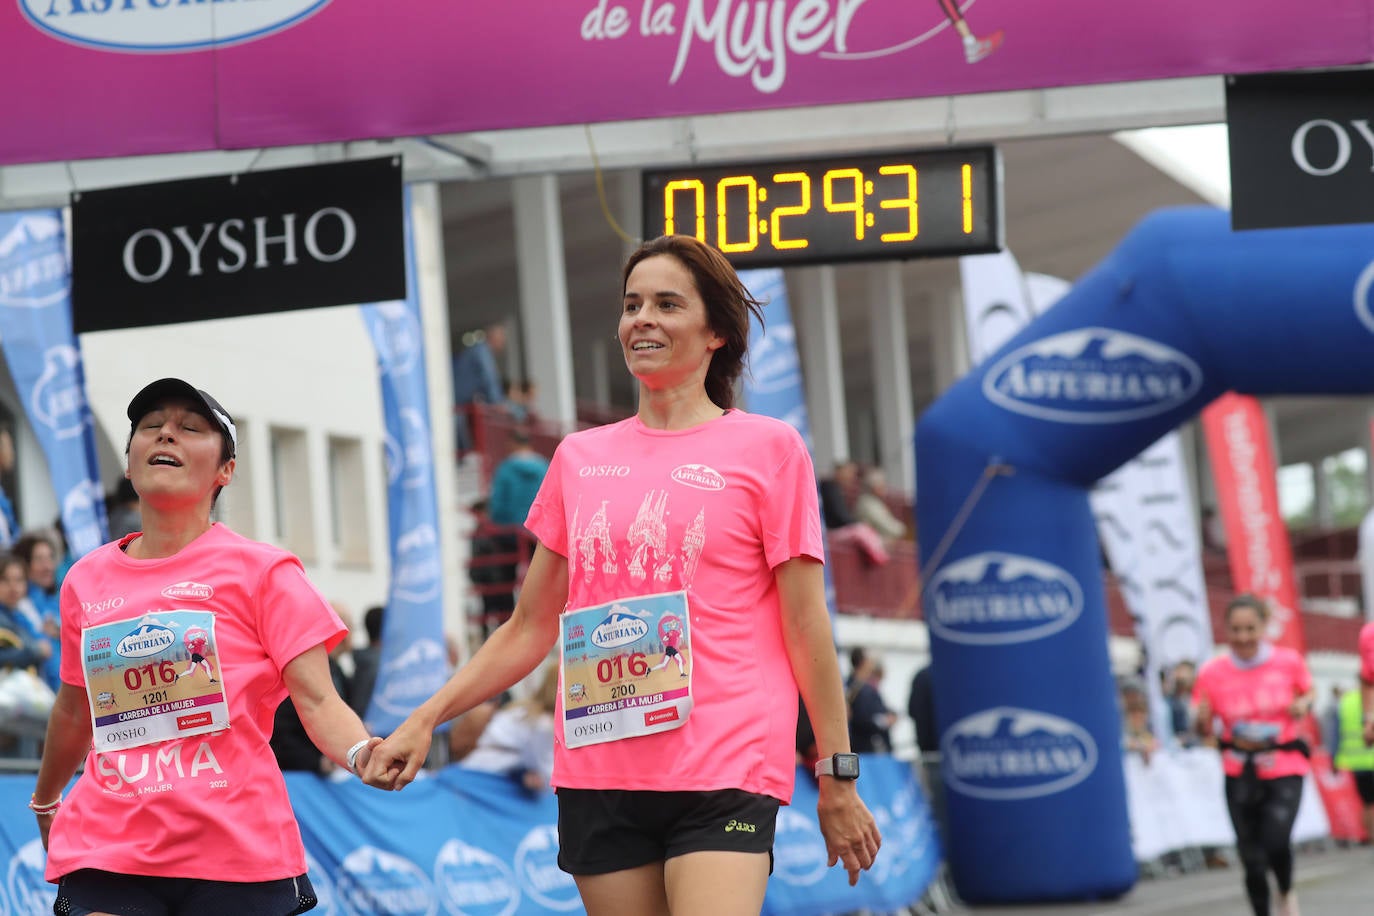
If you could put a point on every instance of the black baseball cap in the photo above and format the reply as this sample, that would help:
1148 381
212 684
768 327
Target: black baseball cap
155 393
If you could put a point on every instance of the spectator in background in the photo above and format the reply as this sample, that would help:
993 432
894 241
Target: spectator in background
1354 755
518 738
366 660
9 524
39 554
871 506
920 705
290 742
1136 735
843 527
870 721
476 379
1331 722
835 491
20 645
1178 693
122 510
516 481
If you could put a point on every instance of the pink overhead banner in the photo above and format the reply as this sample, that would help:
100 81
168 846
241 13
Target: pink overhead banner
95 78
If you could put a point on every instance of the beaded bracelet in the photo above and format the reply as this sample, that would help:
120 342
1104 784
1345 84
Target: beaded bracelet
44 810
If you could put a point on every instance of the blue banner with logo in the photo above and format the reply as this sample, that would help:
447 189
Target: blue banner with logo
414 662
1183 310
44 360
477 844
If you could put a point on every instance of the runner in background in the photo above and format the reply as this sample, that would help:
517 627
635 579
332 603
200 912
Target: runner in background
1257 692
180 809
668 795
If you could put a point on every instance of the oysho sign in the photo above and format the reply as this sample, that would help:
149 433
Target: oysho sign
238 245
1302 148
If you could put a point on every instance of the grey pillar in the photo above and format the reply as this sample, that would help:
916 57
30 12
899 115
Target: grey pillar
818 313
891 376
544 295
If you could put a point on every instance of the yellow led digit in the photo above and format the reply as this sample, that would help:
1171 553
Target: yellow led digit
855 179
967 171
898 203
669 205
722 208
803 182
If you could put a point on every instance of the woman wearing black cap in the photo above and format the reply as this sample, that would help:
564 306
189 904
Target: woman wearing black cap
180 807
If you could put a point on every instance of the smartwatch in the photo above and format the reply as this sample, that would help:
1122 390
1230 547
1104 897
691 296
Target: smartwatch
840 766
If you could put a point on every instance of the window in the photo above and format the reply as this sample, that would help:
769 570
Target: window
348 501
294 517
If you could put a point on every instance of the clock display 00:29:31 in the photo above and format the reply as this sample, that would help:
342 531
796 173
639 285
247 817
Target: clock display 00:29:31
930 203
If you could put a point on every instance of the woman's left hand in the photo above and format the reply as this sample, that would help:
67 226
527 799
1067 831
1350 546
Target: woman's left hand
851 834
1299 708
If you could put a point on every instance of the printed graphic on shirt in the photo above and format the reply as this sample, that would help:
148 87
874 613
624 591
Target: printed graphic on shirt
627 668
153 678
651 557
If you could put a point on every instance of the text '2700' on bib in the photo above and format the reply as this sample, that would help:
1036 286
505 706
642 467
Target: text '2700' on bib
627 668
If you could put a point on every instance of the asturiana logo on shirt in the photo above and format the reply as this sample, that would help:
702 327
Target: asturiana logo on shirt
618 629
699 476
1008 753
148 639
189 591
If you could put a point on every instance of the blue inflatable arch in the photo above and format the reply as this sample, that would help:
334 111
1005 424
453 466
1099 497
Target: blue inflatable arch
1181 312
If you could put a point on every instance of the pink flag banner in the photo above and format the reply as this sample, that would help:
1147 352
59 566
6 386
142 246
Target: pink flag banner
99 78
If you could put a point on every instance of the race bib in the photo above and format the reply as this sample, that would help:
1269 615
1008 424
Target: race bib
1258 732
154 678
627 668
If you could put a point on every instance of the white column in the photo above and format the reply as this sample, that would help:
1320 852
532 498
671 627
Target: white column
818 314
948 341
601 372
427 224
544 295
891 376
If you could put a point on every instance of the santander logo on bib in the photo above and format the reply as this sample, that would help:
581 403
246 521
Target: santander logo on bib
148 27
189 591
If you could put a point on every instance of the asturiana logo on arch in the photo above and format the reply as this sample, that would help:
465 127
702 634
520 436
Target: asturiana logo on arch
994 598
1092 375
149 27
1005 753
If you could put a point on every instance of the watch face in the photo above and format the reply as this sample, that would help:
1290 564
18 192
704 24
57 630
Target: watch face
847 766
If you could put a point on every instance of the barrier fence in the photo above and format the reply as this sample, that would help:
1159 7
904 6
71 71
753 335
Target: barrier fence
464 843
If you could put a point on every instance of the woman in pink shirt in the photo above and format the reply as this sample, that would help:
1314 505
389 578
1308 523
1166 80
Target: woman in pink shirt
1257 693
691 514
180 809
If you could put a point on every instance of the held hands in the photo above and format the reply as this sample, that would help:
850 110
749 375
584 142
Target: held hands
393 763
851 835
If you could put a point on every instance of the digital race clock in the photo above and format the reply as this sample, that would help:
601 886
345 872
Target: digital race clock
926 203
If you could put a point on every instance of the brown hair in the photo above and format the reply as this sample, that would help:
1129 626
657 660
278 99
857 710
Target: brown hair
1253 602
728 306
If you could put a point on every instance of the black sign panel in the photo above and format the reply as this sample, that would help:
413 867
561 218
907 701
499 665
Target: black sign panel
235 245
905 204
1302 149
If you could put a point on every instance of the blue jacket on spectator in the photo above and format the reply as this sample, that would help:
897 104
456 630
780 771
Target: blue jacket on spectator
514 486
18 642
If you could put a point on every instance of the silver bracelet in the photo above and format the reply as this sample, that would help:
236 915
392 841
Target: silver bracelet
352 756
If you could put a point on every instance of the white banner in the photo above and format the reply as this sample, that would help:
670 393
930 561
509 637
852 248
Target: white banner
1144 509
1178 801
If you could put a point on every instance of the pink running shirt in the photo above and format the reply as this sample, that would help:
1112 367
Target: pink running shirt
1367 653
1259 694
210 806
712 510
